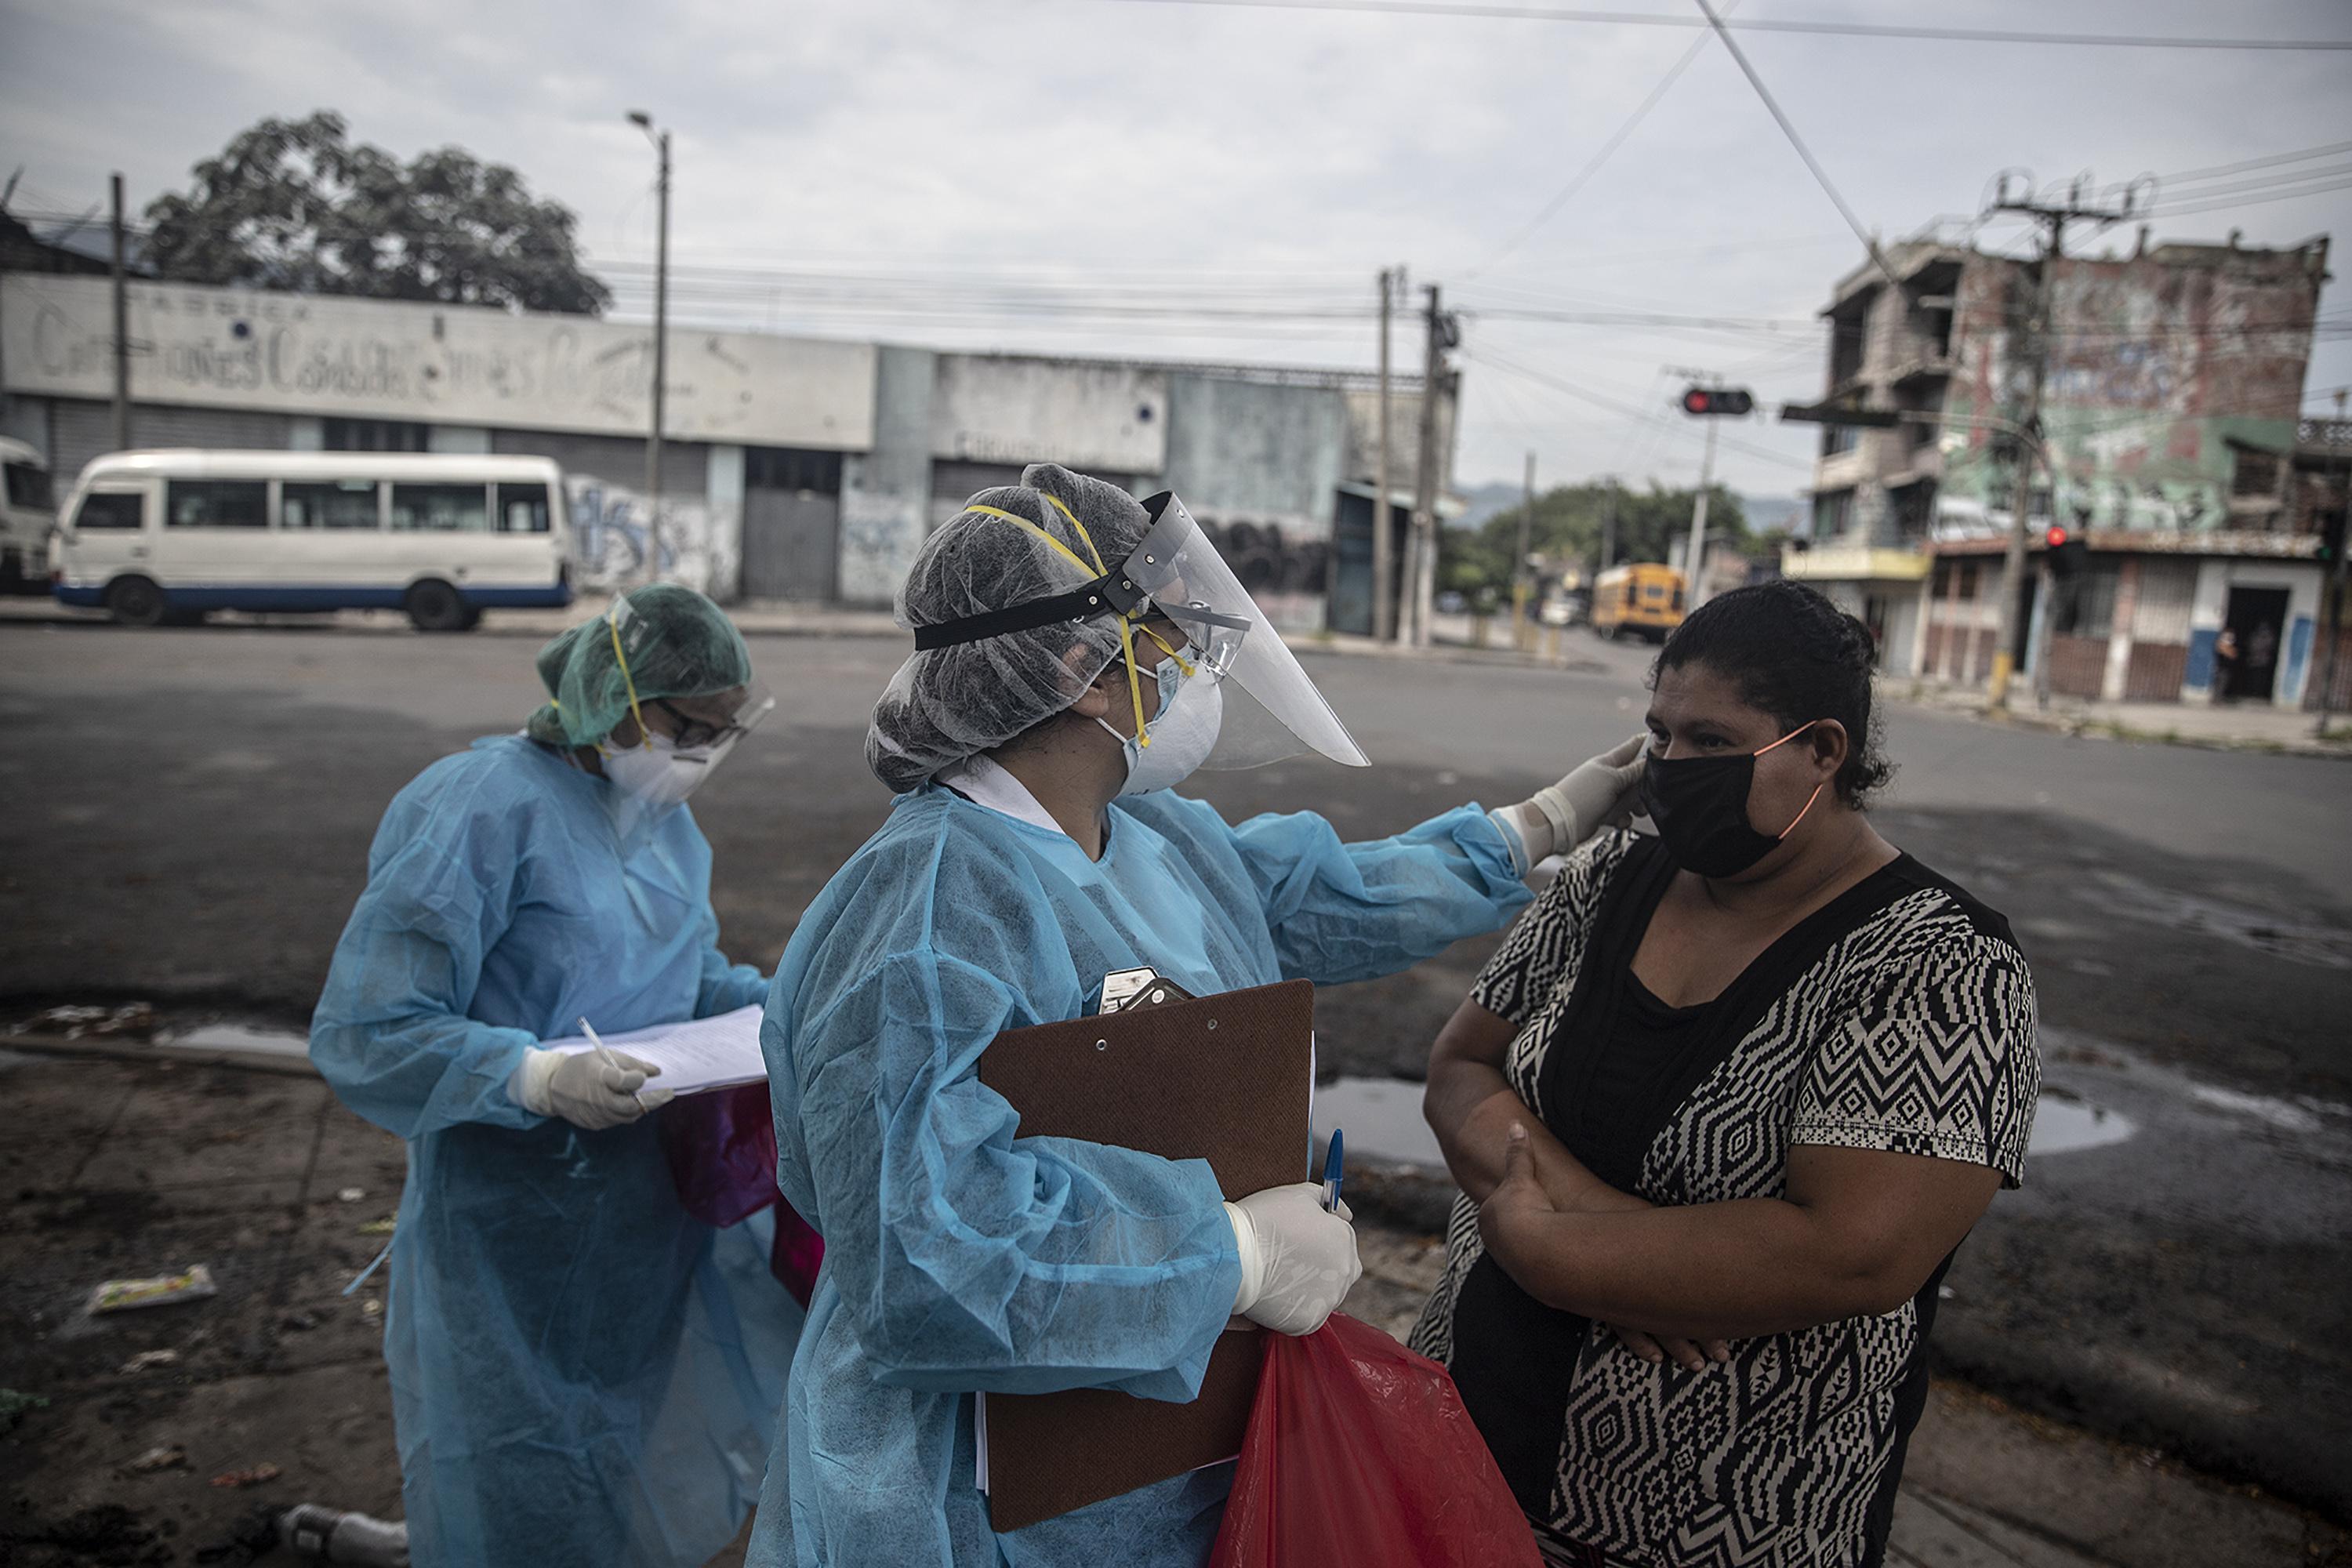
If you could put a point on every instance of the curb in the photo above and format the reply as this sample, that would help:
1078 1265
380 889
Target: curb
2080 725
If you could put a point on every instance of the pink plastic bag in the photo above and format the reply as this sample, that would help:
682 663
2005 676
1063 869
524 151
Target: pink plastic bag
721 1148
1360 1456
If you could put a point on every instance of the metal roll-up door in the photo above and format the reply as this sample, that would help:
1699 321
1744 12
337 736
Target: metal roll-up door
80 430
792 544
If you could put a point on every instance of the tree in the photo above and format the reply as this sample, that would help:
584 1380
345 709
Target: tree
292 203
1567 525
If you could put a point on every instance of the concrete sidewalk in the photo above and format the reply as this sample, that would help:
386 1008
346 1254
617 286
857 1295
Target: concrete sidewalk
131 1159
2228 726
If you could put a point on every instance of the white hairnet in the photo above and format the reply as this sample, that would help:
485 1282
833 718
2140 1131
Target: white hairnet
949 703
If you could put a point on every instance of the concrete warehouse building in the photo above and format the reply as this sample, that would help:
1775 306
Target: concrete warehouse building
793 467
2172 382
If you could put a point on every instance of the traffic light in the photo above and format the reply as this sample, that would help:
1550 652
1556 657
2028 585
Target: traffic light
1705 402
2068 553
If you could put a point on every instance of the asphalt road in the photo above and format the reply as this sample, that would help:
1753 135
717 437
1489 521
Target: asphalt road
186 817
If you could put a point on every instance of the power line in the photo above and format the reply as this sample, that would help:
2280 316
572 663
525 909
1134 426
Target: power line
2301 155
1760 25
1820 174
1592 166
2225 204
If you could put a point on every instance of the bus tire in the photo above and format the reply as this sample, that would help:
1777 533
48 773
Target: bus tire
435 606
137 602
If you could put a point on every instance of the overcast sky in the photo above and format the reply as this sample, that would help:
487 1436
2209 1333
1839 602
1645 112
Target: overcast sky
1218 182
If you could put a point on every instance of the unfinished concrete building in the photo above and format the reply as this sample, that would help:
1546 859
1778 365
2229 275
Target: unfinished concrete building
2171 380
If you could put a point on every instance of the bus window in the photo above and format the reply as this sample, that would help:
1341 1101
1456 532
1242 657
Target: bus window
1632 593
111 509
217 504
439 509
29 487
1678 597
332 503
522 508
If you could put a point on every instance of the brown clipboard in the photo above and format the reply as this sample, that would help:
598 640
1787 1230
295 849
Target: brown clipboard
1224 1079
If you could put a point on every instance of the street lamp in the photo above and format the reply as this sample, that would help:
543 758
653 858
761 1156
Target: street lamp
660 139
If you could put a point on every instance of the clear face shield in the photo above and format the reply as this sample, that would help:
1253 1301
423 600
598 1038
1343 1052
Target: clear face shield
1272 709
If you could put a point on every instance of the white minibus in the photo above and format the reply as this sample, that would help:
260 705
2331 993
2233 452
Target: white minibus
28 514
162 537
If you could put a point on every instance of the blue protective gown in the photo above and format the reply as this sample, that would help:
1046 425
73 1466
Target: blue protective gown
580 1373
961 1257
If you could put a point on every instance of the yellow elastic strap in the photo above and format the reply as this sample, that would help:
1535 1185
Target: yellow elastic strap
614 626
1126 637
1182 662
1126 641
1083 534
1067 554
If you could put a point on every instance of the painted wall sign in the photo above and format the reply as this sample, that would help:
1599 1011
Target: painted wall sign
440 364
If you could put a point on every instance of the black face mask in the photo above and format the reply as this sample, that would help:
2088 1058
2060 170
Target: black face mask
1700 806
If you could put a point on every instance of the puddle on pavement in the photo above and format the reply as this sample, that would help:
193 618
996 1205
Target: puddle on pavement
237 1037
1381 1117
2064 1126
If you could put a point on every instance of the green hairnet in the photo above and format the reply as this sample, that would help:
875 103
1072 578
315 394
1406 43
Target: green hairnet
676 644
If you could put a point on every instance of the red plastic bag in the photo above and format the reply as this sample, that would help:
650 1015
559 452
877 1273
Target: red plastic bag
722 1156
1360 1456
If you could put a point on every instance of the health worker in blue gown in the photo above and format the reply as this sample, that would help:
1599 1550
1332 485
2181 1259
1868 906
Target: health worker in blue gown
582 1372
1077 654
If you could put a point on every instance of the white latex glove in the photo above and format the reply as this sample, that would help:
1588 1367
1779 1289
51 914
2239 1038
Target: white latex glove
585 1089
1559 817
1298 1259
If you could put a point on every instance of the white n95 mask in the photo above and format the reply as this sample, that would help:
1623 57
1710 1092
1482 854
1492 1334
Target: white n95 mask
1192 710
654 776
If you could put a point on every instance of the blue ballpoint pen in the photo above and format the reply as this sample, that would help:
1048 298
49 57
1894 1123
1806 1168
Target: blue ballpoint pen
1331 1174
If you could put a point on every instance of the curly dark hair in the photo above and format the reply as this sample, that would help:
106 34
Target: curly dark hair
1796 656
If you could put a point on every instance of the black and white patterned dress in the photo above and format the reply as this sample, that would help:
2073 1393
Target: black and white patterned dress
1901 1017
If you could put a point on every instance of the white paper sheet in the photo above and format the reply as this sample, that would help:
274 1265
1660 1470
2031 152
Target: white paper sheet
700 1053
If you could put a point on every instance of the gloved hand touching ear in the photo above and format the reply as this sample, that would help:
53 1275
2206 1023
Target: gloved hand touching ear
1559 817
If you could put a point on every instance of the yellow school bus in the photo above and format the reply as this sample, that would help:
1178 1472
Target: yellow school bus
1644 597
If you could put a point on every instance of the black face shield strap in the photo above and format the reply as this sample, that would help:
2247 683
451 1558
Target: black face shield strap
1113 593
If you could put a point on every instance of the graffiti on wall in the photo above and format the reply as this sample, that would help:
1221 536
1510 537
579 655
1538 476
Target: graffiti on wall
880 537
613 532
1284 562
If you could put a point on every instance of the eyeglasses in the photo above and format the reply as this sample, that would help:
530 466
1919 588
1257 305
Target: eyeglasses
693 733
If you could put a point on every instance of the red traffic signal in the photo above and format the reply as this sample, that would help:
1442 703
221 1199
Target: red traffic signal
1703 401
2055 538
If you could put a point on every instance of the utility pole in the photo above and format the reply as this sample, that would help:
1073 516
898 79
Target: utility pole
1695 592
1519 563
1609 529
2335 540
644 121
1426 475
2054 217
121 330
1383 565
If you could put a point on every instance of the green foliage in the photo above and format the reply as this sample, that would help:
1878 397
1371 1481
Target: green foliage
292 203
1568 526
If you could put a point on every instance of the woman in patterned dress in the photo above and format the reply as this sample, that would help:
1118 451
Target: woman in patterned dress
1723 1105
